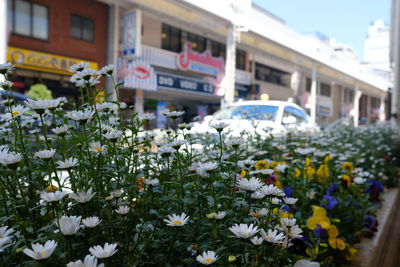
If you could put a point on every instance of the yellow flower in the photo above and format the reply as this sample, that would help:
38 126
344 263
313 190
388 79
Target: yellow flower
297 172
273 164
278 184
322 173
318 217
312 252
261 165
327 159
347 179
333 232
308 161
243 173
310 171
348 167
351 253
337 243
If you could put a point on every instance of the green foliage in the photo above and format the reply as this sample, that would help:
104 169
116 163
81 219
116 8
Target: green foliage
39 91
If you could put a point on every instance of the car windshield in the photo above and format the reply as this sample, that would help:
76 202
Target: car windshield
250 112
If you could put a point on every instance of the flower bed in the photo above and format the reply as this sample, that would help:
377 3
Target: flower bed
87 186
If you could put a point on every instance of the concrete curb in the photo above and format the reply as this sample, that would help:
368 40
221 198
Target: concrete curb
373 252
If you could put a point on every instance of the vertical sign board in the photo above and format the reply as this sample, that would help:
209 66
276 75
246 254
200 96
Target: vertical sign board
131 37
161 119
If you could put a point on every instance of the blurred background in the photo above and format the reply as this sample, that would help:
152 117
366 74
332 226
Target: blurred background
335 59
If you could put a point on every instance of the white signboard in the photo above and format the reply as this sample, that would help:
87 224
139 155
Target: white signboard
131 36
136 74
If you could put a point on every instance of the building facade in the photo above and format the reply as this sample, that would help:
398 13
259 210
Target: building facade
190 55
46 37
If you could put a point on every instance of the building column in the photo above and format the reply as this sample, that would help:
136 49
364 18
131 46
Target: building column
139 102
230 67
396 59
314 93
382 108
112 47
368 108
3 33
356 109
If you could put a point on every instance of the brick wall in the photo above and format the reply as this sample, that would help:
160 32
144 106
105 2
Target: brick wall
60 41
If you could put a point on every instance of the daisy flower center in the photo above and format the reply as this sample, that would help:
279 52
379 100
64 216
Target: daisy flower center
208 260
98 149
68 164
15 113
1 236
245 233
177 223
43 252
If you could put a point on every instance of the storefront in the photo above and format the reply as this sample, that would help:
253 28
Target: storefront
33 67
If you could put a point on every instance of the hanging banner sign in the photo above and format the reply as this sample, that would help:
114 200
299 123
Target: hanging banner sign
131 33
136 74
202 63
176 82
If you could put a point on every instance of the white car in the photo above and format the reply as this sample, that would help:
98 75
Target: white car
259 116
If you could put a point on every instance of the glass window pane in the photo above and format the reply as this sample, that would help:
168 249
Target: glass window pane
9 15
40 22
22 18
76 23
88 30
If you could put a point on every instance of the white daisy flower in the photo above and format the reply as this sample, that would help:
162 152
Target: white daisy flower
42 104
207 258
89 261
290 200
257 195
172 114
359 180
123 210
87 73
97 148
68 163
146 116
91 222
116 193
257 241
219 126
5 242
152 182
69 225
9 159
251 184
79 67
177 220
6 85
306 263
52 196
166 151
243 230
272 190
114 135
6 68
220 215
247 164
107 70
45 154
295 231
272 236
208 166
107 106
281 167
102 253
16 112
61 130
82 197
79 115
40 252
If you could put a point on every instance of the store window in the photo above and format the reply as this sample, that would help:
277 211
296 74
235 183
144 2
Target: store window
240 59
218 49
28 19
348 95
271 75
198 42
308 85
171 38
325 89
82 28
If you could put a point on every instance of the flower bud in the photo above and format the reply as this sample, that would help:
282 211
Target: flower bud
231 258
